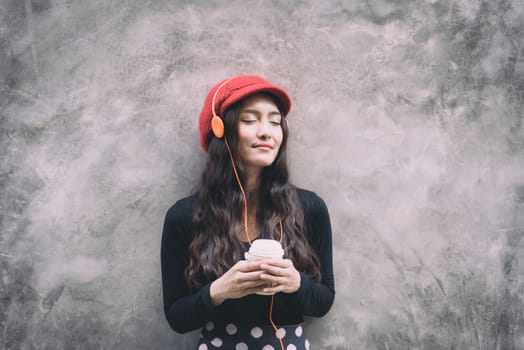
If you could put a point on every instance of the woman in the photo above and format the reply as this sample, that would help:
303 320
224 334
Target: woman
244 194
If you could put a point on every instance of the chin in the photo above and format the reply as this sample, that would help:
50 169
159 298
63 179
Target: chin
262 162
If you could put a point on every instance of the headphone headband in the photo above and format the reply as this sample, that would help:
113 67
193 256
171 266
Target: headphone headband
217 125
215 96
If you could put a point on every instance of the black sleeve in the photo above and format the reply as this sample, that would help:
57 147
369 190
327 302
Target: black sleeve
316 298
184 311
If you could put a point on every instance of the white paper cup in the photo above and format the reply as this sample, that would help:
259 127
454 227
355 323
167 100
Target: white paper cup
262 249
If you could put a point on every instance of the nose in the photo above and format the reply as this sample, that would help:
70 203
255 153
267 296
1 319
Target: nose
263 129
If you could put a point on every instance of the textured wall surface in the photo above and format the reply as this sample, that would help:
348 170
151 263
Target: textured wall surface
407 120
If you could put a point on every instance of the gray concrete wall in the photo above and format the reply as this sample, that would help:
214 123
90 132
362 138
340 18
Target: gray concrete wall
407 120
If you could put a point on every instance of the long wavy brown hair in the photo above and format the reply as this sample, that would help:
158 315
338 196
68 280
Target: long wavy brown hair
217 215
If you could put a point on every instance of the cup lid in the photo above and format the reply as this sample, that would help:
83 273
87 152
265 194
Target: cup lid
266 247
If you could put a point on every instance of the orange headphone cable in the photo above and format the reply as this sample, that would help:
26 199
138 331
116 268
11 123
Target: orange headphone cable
241 189
272 302
247 235
245 221
279 336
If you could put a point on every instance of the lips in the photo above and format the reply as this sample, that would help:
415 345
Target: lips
264 146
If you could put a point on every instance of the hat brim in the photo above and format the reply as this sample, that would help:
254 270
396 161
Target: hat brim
283 100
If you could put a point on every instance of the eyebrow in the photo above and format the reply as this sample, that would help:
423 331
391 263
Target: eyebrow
256 112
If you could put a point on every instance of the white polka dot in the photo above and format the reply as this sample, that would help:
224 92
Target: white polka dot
202 347
256 332
307 344
231 329
210 326
241 346
217 342
281 333
291 347
298 331
268 347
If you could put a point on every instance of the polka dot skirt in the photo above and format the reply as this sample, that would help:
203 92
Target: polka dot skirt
241 337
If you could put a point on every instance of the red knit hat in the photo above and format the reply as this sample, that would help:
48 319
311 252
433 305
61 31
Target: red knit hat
233 90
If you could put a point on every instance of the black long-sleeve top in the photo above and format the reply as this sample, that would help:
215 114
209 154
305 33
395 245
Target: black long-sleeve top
186 310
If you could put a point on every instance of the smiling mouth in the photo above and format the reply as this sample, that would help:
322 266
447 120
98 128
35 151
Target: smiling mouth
263 146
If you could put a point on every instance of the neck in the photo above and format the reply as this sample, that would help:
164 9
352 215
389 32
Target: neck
252 180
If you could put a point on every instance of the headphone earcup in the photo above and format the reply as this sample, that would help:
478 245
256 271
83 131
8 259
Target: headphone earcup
217 126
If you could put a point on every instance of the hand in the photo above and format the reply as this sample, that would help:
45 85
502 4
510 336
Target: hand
240 280
281 275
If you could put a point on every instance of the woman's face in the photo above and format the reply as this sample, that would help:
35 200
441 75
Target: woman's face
259 131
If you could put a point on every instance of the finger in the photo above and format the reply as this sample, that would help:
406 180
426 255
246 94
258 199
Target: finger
283 263
273 278
249 276
253 285
273 290
275 270
248 266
